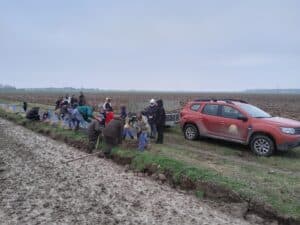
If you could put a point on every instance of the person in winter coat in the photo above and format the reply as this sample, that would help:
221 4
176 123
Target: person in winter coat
25 106
58 102
123 113
143 130
107 105
74 101
160 121
86 112
81 99
33 114
127 127
150 112
112 136
94 133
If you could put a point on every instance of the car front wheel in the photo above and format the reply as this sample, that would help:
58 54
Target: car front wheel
262 145
191 132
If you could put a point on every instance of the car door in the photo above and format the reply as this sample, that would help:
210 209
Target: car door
211 120
232 127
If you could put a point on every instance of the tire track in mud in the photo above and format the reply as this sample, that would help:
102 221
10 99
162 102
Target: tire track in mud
172 142
38 188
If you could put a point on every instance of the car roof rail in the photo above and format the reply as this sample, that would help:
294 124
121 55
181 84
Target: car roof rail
227 100
203 100
233 100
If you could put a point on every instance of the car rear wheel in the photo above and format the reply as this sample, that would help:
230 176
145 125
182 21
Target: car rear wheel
262 145
191 132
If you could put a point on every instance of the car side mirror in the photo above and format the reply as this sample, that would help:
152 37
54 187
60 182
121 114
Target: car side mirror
243 118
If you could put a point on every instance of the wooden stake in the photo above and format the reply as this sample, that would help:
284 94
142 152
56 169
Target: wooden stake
82 157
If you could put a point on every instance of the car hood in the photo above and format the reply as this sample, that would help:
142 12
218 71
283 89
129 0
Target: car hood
280 121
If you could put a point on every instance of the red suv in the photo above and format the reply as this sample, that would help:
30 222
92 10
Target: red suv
237 121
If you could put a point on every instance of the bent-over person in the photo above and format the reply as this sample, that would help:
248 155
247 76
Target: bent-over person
112 136
95 134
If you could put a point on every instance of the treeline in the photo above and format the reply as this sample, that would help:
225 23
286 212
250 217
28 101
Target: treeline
274 91
7 87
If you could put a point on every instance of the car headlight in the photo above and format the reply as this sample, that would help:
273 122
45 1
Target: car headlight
288 130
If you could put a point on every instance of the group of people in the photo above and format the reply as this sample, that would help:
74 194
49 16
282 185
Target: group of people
107 127
148 123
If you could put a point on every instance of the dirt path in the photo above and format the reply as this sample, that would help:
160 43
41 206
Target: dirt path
36 187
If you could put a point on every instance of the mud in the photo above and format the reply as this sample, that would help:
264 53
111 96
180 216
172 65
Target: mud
37 187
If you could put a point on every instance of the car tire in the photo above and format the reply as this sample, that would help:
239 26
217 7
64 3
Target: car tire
191 132
262 145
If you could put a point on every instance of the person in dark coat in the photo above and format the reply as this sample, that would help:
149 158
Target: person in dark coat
33 114
94 133
74 101
160 121
123 112
25 106
112 136
151 112
58 102
81 99
107 105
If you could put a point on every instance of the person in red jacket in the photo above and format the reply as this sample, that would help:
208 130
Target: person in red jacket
109 116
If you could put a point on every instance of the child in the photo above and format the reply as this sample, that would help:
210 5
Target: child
143 130
127 129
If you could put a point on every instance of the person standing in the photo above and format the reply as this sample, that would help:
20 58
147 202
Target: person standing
143 130
107 105
160 121
25 106
81 99
150 112
74 101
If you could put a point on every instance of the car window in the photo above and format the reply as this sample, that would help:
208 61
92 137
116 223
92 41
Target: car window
230 112
210 109
195 107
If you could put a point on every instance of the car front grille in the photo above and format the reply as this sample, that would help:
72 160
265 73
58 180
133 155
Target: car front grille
297 130
172 117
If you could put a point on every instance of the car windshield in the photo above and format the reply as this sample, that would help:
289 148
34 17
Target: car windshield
253 111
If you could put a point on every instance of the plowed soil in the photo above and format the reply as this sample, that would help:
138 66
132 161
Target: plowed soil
38 187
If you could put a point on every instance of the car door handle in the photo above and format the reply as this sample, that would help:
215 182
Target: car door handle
222 123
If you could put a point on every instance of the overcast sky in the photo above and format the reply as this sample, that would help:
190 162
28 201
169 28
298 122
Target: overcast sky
211 45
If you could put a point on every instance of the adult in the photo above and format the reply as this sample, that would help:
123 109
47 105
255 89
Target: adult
58 102
94 133
33 114
81 99
107 105
67 100
74 101
76 116
25 106
151 112
112 136
160 121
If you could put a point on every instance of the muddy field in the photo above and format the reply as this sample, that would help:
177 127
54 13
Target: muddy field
37 187
277 104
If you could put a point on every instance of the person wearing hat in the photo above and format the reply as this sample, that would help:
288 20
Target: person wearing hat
151 112
107 105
